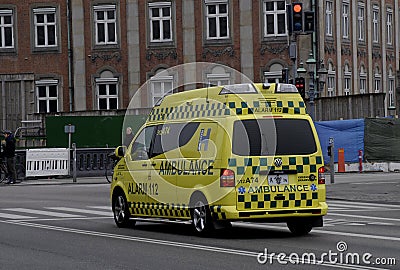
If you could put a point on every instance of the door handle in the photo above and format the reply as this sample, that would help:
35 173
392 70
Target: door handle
144 165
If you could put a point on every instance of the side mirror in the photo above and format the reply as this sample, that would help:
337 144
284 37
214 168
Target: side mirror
120 151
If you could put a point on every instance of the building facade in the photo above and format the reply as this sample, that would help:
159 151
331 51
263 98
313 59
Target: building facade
76 56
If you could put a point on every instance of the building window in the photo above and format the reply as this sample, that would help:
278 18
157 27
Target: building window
217 18
47 96
331 82
377 81
107 93
105 20
160 86
218 77
347 81
346 24
375 24
391 88
274 18
363 80
45 27
361 23
160 21
6 29
389 27
329 18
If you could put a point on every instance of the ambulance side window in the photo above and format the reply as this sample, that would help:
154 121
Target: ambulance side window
172 136
142 143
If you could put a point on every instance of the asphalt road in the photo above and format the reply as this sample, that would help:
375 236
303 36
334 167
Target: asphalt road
70 226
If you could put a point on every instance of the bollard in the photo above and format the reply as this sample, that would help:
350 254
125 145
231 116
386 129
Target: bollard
360 161
74 162
331 153
341 165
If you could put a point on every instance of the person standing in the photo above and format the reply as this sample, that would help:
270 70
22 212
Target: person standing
9 154
128 136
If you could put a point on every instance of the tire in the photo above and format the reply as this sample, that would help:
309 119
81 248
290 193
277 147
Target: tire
299 228
201 217
121 211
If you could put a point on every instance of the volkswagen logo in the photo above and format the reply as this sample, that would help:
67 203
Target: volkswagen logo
278 162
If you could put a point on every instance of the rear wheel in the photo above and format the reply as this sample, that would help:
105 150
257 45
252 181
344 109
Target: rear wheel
299 228
121 211
201 217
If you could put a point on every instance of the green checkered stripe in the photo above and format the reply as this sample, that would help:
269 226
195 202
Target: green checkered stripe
189 111
216 212
160 209
290 107
253 166
266 201
217 109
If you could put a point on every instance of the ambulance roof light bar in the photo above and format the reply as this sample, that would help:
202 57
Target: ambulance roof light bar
285 88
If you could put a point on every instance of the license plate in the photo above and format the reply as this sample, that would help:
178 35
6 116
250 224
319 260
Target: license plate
278 179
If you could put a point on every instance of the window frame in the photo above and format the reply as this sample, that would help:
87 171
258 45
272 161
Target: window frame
160 79
47 98
346 20
275 13
375 24
329 18
217 16
3 13
363 81
107 96
389 26
35 39
160 6
391 88
377 82
105 8
361 22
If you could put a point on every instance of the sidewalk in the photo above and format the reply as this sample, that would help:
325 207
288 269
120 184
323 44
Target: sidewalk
60 181
365 187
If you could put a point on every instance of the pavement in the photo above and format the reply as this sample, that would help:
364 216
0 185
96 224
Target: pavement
365 187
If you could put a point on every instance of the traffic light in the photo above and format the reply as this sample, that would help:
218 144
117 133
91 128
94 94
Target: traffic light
300 85
309 21
297 17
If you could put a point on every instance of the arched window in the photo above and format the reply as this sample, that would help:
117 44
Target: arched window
363 80
107 91
347 80
377 81
160 85
331 83
218 76
274 75
391 88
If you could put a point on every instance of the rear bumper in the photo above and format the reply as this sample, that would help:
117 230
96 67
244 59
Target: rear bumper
220 212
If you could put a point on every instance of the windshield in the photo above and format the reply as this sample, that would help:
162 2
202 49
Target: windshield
269 137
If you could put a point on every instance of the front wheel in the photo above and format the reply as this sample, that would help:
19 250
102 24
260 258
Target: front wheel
201 217
121 211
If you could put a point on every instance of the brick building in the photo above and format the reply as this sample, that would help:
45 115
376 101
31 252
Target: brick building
75 56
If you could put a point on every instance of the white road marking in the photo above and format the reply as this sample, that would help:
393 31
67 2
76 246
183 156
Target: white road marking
82 211
351 203
101 207
363 217
181 244
43 213
12 216
378 237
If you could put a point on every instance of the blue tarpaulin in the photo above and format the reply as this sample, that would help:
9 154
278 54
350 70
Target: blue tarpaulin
347 134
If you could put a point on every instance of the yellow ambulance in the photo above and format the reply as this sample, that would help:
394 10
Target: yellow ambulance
242 152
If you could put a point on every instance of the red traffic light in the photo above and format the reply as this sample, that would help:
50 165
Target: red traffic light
297 8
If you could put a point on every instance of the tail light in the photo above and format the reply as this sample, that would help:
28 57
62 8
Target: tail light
321 175
227 178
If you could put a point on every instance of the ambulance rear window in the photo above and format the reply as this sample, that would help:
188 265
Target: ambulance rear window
269 137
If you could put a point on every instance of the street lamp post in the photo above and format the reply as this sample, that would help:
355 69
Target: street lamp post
317 79
311 63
